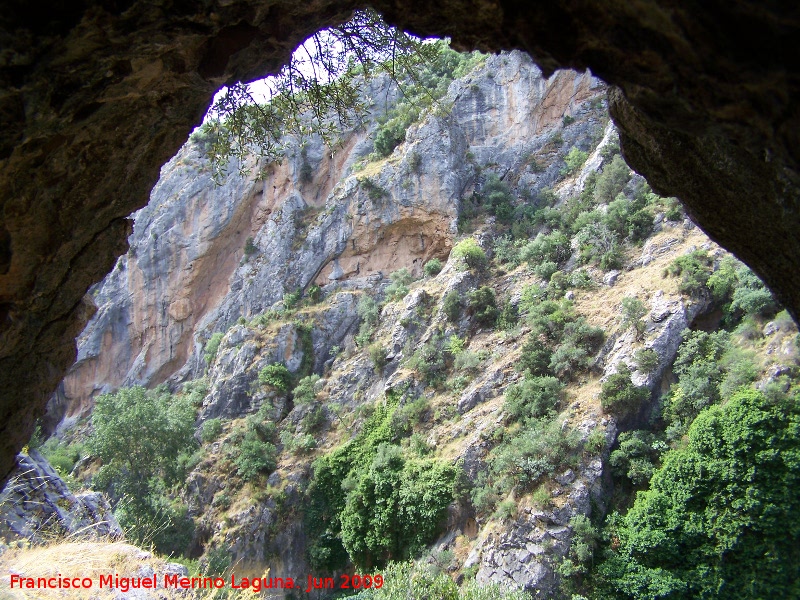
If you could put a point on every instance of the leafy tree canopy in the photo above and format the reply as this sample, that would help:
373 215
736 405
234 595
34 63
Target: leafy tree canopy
316 93
722 516
140 436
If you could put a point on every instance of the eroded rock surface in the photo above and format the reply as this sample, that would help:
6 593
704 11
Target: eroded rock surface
37 504
187 274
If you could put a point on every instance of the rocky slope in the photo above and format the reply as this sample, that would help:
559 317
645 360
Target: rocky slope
95 97
37 505
186 274
221 284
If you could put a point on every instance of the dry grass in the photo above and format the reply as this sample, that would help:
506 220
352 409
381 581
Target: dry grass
601 306
76 559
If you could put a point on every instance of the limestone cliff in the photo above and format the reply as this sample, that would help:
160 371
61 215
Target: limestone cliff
187 273
298 269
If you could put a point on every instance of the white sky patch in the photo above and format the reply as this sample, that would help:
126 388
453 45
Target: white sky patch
305 59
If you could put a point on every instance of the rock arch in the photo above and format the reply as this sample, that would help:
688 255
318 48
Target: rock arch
97 95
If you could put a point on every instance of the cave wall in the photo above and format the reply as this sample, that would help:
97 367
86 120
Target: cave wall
96 95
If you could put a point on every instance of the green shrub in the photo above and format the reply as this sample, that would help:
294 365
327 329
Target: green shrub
292 299
535 357
277 376
631 315
428 361
552 247
468 361
506 510
620 396
599 244
506 251
596 441
541 497
368 311
545 270
377 354
508 317
451 306
750 296
255 456
398 289
412 494
579 342
313 419
699 370
62 457
569 359
483 306
628 218
639 225
454 345
549 317
539 449
249 247
584 538
212 346
611 180
392 133
694 270
432 268
646 360
581 280
484 498
306 174
211 430
637 456
740 370
471 253
410 414
499 199
574 160
314 294
305 391
559 282
674 211
567 120
534 397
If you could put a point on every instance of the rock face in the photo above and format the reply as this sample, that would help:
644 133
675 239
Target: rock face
186 274
36 504
292 269
96 97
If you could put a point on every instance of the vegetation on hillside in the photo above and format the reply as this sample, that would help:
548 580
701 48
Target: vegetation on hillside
502 360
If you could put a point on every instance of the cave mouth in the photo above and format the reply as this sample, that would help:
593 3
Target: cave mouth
97 98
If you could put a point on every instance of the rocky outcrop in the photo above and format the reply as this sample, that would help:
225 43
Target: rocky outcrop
188 273
36 505
523 553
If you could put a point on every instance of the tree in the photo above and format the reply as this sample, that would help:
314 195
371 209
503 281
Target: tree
316 93
633 310
722 517
574 160
139 436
